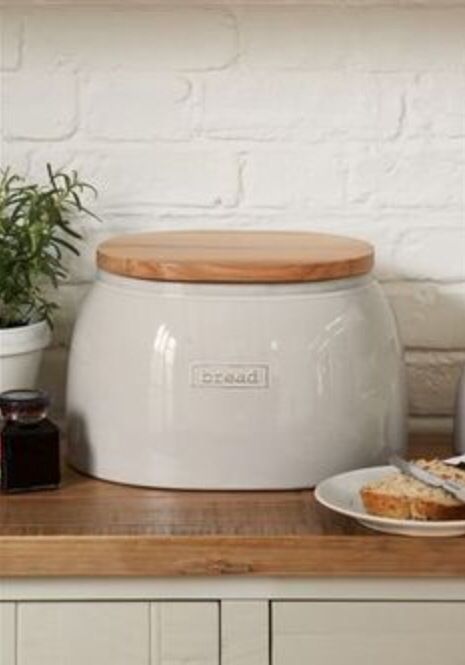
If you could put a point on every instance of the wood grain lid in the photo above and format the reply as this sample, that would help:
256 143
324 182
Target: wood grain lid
235 256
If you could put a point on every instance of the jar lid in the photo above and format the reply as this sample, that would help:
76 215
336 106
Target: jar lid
29 402
235 256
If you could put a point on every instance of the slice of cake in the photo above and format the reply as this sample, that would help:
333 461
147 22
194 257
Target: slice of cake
404 497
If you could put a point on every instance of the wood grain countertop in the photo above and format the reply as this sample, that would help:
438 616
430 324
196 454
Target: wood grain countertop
92 528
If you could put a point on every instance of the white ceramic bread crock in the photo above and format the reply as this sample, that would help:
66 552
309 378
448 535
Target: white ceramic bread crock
234 360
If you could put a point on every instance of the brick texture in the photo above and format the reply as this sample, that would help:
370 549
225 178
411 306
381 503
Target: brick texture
379 38
137 107
154 39
304 106
283 177
346 116
10 40
53 113
436 106
408 175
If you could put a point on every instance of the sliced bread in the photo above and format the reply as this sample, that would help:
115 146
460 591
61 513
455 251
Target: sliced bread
403 497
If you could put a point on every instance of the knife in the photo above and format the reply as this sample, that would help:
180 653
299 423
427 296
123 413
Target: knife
428 478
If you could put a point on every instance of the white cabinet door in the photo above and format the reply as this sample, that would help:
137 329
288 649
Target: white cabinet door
7 634
244 632
185 633
363 633
83 633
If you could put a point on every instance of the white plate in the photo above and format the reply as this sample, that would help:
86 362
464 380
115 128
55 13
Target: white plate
342 494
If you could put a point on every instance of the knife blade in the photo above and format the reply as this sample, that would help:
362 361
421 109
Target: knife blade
428 478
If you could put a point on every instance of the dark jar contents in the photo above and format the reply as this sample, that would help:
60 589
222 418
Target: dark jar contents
29 442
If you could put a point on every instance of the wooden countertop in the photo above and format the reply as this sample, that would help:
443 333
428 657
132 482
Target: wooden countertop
92 528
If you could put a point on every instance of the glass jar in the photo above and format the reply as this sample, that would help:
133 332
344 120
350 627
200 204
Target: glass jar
29 442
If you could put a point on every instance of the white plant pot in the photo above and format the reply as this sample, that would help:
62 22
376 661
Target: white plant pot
20 354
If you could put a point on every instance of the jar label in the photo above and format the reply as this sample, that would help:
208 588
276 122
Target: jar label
229 375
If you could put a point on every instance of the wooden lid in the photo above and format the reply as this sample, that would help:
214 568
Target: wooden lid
235 256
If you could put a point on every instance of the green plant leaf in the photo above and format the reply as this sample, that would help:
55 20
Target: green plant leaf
37 231
64 243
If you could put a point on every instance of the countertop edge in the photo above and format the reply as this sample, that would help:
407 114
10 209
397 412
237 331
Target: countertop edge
312 556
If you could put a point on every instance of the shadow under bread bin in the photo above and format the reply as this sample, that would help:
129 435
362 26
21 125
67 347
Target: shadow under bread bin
234 360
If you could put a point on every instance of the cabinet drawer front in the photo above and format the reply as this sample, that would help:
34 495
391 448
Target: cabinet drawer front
7 634
185 632
363 633
83 633
244 632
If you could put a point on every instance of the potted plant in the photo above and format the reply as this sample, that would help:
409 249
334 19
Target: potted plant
37 232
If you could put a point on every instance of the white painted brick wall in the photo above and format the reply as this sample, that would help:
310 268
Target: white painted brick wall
338 115
302 106
121 107
408 175
53 119
297 177
143 41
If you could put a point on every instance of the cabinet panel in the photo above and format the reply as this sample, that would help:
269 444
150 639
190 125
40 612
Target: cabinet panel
244 633
83 633
363 633
7 634
185 632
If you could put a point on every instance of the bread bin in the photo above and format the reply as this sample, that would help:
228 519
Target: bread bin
459 416
234 360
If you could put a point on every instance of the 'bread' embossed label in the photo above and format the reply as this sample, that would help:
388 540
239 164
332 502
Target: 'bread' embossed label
229 375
